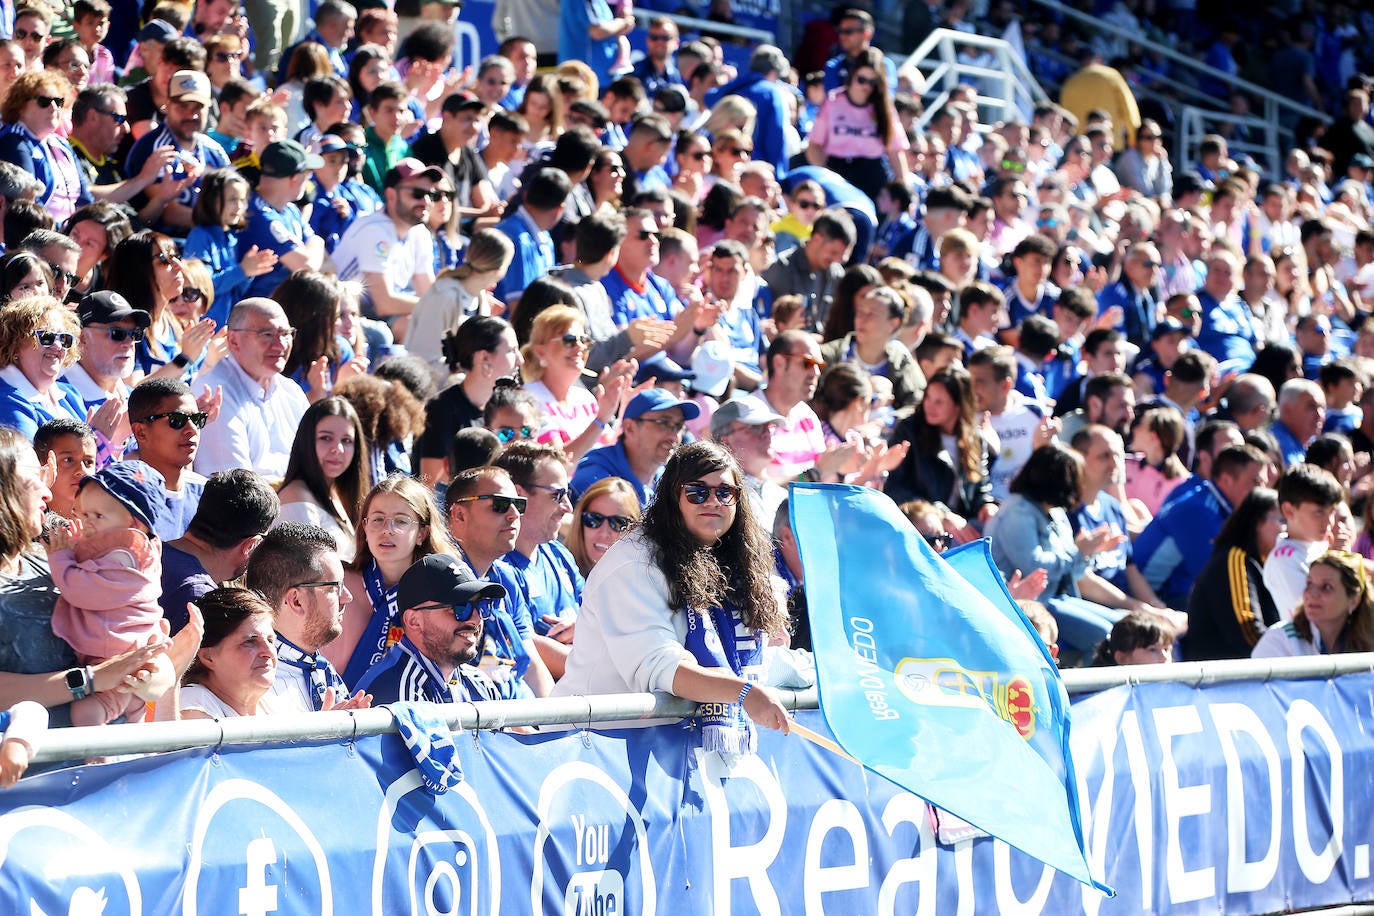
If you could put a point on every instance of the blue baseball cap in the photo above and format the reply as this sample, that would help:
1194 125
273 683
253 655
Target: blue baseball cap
658 399
137 487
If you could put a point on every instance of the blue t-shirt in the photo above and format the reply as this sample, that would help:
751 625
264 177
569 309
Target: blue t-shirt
181 507
1109 564
218 248
282 231
575 41
534 255
184 579
610 461
656 299
204 149
553 583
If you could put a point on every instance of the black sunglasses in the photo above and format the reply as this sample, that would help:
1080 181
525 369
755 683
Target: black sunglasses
509 433
177 419
808 205
48 101
499 504
461 612
577 340
59 274
119 119
646 234
866 81
191 294
698 493
423 194
119 335
619 523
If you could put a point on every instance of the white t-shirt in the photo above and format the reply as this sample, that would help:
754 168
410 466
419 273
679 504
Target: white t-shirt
1285 572
563 421
1015 427
373 246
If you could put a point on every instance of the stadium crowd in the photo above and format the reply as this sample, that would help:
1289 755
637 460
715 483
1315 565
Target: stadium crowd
306 334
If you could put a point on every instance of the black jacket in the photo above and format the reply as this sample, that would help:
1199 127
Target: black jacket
932 477
1229 608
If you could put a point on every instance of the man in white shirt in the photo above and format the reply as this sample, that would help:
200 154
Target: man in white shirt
1021 424
261 408
391 251
296 569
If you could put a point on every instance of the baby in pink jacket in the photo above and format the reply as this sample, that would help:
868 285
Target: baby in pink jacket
108 567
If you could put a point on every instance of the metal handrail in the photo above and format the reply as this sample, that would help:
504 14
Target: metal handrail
157 737
1020 91
643 17
1192 63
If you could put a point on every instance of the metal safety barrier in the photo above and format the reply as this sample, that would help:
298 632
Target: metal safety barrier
1006 90
157 737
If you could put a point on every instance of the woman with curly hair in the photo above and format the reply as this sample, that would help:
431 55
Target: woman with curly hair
684 604
1336 614
391 418
31 139
38 341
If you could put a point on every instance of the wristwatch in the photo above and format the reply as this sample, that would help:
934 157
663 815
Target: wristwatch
81 682
181 361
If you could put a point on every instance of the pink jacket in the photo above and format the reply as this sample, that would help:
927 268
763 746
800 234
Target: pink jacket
110 585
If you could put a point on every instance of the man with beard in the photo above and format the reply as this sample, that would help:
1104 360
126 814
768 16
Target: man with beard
110 330
297 570
745 427
484 513
188 100
650 430
261 408
794 367
390 251
443 614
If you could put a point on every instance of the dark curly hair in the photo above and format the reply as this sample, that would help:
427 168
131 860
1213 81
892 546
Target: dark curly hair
735 568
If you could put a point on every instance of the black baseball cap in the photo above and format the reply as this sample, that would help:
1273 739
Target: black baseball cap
442 579
107 307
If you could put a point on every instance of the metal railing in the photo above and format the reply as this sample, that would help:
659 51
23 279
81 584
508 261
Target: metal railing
1006 90
687 24
1275 120
157 737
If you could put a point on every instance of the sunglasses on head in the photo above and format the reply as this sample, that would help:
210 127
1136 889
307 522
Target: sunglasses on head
576 340
120 335
48 101
698 493
59 339
594 520
499 504
177 419
509 433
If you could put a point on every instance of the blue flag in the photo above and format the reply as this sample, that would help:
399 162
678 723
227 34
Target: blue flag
931 676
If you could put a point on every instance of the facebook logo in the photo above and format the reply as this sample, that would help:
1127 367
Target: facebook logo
257 897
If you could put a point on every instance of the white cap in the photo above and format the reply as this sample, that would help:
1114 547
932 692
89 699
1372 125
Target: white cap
713 367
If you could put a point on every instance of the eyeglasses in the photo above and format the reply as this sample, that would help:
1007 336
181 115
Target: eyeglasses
76 65
62 276
736 151
165 259
850 30
698 493
510 433
120 335
558 493
25 35
401 524
449 196
594 520
59 339
757 430
48 101
119 119
225 57
659 36
807 205
191 294
499 504
701 156
268 335
461 612
1148 136
867 82
808 361
336 584
1011 165
177 419
424 194
576 340
646 234
663 423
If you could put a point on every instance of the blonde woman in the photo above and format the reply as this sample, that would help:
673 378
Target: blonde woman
555 358
457 295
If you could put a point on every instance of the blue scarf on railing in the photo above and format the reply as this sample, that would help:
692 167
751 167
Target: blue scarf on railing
719 639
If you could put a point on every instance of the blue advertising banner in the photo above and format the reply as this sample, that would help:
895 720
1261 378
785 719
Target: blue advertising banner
1235 798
